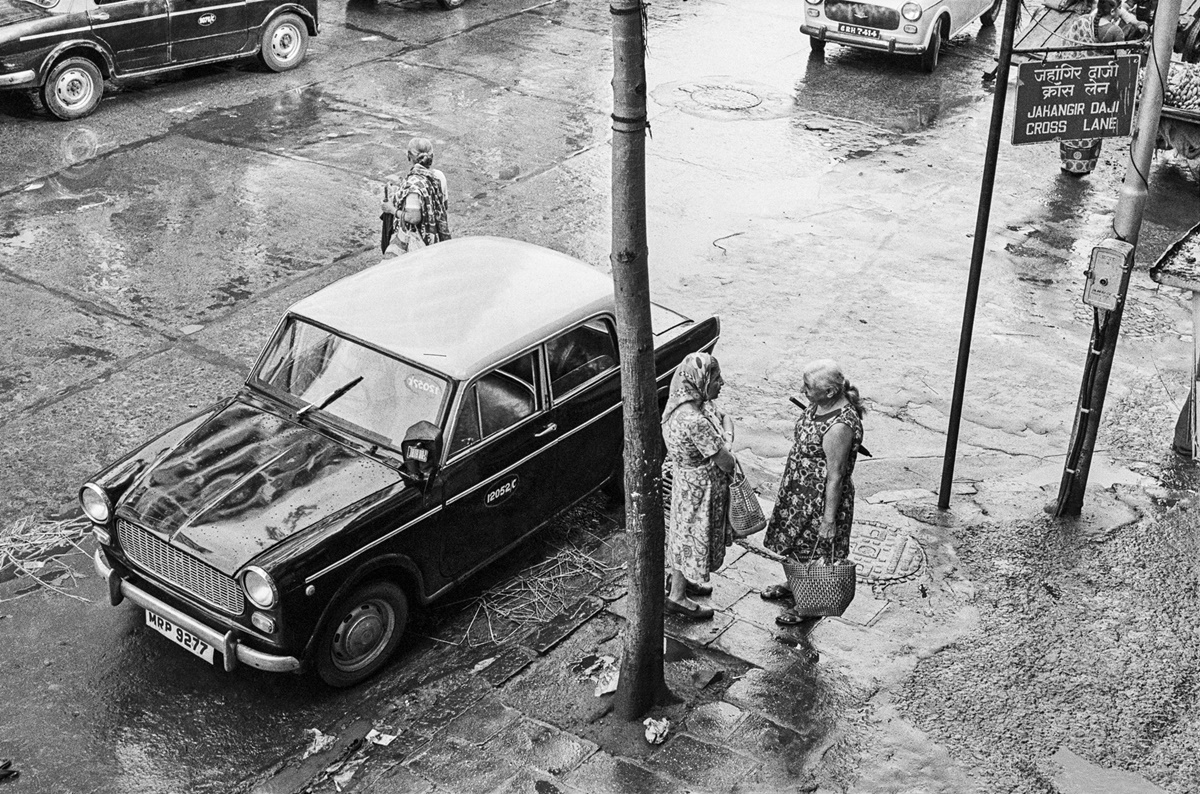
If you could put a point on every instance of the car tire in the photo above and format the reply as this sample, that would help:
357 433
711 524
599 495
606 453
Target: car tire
992 14
929 58
449 4
817 45
363 631
73 88
284 43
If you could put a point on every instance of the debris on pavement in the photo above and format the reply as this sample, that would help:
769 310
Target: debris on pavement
656 730
320 741
606 684
31 547
7 772
382 739
707 675
601 669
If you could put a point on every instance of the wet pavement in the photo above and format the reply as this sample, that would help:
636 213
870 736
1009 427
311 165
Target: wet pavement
823 207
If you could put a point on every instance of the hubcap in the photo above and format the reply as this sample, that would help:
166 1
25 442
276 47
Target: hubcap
285 41
74 87
362 634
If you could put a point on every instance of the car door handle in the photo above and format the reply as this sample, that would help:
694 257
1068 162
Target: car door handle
101 15
550 428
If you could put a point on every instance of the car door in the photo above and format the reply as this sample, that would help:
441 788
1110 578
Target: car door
205 29
585 389
498 484
137 32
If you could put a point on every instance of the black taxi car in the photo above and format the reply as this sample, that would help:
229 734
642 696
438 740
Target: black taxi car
67 48
403 428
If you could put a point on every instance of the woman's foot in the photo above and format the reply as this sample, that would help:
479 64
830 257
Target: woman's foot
697 589
775 592
689 609
790 617
754 530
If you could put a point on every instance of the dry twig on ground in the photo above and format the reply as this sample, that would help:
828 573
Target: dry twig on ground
33 549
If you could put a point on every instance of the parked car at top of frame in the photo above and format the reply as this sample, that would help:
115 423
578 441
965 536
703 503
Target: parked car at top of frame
914 27
403 428
67 48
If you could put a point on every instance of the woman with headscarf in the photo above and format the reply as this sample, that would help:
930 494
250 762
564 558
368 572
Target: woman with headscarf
697 437
815 505
420 202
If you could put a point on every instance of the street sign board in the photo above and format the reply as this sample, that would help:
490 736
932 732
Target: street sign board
1074 99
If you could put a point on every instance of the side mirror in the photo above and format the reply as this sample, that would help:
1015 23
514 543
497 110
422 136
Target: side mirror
421 450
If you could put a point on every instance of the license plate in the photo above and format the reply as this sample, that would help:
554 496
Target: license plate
180 636
870 33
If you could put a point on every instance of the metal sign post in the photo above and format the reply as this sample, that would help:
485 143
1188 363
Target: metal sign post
977 248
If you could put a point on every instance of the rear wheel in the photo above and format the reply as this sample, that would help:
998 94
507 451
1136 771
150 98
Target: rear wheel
73 88
929 58
992 14
284 43
364 630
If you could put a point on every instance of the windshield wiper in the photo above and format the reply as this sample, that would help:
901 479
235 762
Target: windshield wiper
338 392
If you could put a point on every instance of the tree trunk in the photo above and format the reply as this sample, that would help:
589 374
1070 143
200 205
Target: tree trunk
641 680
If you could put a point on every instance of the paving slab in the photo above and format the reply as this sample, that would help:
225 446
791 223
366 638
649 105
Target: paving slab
606 774
756 645
707 765
529 782
714 722
463 769
535 744
481 721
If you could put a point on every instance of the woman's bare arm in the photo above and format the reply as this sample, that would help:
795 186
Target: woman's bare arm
837 443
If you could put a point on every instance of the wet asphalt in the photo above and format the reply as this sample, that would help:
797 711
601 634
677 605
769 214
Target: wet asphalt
823 207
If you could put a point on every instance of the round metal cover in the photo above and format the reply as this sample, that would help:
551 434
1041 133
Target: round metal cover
723 97
884 554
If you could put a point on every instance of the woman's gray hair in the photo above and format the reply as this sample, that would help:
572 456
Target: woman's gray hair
825 373
420 151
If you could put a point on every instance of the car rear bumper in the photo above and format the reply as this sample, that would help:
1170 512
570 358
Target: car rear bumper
25 79
233 651
884 43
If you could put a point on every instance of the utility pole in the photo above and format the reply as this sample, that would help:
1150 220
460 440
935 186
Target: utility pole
1127 223
641 683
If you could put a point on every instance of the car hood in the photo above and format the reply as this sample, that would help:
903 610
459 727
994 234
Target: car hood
14 11
245 480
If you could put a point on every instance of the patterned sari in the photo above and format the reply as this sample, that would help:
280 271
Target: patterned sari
435 224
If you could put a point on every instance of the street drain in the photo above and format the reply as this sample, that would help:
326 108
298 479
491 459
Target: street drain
721 97
884 554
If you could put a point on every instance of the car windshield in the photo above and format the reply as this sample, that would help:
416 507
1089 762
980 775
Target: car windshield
356 384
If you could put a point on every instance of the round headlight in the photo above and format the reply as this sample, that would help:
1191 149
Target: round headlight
911 11
95 504
814 2
259 588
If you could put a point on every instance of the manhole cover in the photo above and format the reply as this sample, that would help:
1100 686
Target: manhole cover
883 554
722 97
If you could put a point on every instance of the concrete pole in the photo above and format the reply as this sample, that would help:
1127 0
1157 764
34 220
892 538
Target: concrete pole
1126 225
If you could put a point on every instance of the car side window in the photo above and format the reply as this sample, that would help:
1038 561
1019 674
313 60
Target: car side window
579 355
496 401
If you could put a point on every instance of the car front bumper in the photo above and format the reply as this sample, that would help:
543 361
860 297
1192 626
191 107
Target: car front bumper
231 649
884 43
25 79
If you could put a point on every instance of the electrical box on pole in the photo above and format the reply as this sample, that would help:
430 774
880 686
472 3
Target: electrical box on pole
1102 287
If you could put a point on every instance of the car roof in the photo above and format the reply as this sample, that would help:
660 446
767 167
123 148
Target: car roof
462 305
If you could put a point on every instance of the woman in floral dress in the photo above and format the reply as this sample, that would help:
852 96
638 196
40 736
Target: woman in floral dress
815 506
697 437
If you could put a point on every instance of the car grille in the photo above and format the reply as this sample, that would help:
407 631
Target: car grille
182 570
864 14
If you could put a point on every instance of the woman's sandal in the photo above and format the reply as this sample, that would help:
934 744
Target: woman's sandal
776 592
696 613
791 618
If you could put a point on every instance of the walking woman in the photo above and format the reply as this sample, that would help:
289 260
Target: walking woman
815 506
420 203
697 437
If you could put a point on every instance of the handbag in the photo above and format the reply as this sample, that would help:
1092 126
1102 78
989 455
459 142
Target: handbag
745 512
820 588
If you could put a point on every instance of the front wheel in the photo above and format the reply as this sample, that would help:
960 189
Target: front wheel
364 630
992 14
284 43
929 58
73 88
817 45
